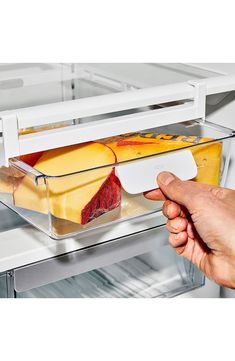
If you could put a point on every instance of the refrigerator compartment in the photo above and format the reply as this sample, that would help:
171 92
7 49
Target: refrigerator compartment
39 90
158 273
65 205
24 85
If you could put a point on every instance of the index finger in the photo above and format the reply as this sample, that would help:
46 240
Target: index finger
155 195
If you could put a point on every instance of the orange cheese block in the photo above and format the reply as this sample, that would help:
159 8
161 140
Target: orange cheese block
77 197
208 156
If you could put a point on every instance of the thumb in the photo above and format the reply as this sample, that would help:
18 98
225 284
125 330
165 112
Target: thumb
182 192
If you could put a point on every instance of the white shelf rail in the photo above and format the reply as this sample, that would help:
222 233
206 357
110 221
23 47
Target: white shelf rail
192 96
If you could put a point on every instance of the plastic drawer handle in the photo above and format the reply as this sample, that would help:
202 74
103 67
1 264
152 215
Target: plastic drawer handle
140 175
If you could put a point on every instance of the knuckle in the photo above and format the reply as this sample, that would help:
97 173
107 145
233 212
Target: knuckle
218 193
177 224
171 240
170 226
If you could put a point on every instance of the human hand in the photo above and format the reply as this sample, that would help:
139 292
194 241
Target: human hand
201 222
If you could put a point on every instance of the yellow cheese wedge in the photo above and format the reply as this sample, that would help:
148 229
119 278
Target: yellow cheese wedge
76 197
136 145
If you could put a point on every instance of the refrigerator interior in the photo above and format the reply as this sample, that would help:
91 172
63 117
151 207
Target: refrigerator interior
157 273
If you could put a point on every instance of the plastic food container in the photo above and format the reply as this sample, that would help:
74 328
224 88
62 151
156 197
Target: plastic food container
68 204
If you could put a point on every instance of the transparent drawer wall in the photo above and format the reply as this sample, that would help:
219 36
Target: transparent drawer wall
140 277
90 195
3 286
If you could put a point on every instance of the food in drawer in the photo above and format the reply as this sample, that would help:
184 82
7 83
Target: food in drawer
137 145
80 197
76 188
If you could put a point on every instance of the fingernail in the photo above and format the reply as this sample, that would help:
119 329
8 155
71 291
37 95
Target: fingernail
165 178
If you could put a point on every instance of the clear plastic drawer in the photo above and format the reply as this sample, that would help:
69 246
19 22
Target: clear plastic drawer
67 191
160 273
